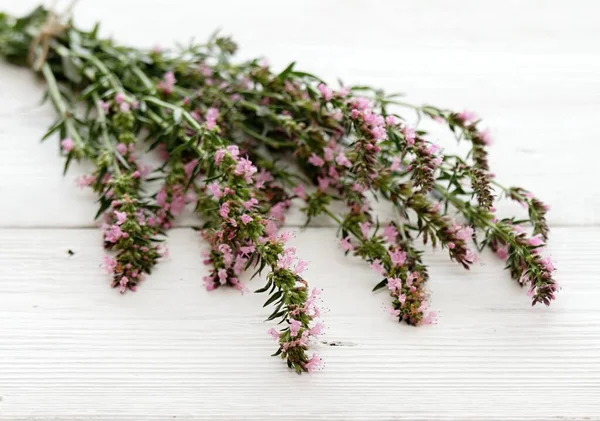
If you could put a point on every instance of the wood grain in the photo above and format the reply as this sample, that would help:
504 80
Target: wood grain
72 347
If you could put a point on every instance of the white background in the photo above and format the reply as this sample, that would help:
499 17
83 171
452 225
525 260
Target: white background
72 348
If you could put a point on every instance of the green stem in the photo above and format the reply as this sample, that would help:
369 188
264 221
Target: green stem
61 107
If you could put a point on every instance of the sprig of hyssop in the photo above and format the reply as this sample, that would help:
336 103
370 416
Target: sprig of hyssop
240 143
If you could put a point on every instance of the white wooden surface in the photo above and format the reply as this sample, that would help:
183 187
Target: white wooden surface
71 348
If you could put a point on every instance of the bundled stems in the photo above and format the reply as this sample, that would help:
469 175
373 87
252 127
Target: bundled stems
240 143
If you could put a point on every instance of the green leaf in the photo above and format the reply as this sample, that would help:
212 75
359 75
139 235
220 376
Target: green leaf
72 69
57 126
380 285
104 204
276 315
263 289
286 72
273 298
309 75
68 162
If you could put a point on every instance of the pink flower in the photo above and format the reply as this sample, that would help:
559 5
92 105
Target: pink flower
346 245
121 217
391 120
168 83
189 167
470 256
300 191
333 174
105 106
233 150
316 160
239 265
547 264
247 250
301 266
536 241
398 257
502 252
278 211
225 250
219 155
409 135
212 113
164 253
295 326
285 260
109 265
161 197
394 284
464 233
364 228
402 298
486 137
249 204
285 236
410 278
246 219
376 266
122 148
245 168
467 117
67 144
393 311
361 103
125 107
263 177
315 363
379 133
274 333
518 229
433 148
323 183
145 170
317 329
342 160
271 228
337 115
85 180
222 274
395 164
215 190
390 233
430 319
120 98
113 234
209 283
211 118
359 187
224 210
325 91
328 154
123 284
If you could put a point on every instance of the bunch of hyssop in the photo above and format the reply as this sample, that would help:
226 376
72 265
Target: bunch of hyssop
240 144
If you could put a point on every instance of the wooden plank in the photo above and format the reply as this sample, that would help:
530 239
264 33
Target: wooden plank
72 348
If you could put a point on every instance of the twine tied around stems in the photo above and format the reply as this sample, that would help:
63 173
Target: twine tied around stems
54 25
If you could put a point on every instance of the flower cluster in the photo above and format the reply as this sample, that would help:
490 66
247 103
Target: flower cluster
241 142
